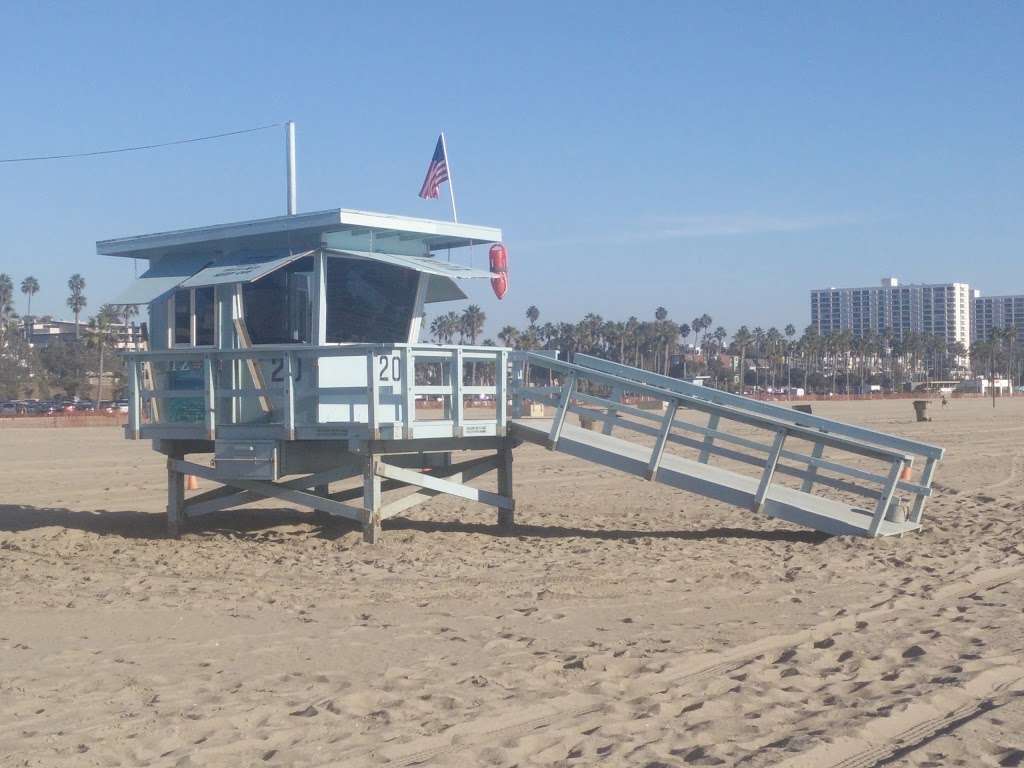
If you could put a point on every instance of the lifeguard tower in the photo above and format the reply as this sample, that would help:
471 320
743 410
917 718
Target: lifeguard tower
287 350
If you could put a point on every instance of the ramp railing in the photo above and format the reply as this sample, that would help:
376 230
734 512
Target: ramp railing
599 391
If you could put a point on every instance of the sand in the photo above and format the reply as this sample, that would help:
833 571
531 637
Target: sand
623 623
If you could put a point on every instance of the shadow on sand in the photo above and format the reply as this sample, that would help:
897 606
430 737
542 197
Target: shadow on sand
254 523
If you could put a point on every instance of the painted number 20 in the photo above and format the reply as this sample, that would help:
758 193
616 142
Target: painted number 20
390 368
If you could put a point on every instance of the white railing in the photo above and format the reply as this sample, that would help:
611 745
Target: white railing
598 390
264 387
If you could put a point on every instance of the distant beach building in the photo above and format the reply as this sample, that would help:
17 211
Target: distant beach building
938 309
45 331
997 312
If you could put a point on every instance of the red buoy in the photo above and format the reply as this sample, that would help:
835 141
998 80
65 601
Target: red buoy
499 268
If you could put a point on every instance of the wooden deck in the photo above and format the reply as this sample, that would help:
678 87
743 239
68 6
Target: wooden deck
794 506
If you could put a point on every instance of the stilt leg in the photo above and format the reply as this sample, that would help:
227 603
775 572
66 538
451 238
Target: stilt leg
319 515
175 498
506 517
371 502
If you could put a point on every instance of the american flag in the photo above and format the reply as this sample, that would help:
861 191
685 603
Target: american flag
437 172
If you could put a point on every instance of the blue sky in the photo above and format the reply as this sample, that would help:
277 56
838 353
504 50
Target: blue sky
720 158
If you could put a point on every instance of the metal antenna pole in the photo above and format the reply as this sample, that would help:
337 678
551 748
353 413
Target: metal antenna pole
451 183
290 158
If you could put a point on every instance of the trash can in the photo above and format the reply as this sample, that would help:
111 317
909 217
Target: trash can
921 409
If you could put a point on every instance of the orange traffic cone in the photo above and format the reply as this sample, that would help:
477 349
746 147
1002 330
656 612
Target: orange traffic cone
906 473
191 483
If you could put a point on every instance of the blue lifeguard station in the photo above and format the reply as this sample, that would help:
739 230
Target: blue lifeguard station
287 349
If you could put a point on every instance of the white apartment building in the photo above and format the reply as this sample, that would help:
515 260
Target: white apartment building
997 312
939 309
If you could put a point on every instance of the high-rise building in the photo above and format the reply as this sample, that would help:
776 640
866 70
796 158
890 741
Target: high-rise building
997 312
939 309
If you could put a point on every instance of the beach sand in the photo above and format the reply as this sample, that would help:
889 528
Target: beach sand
621 623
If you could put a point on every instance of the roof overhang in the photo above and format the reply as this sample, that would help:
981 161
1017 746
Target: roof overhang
163 276
336 228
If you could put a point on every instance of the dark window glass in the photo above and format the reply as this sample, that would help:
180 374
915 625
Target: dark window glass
368 301
278 308
204 317
182 317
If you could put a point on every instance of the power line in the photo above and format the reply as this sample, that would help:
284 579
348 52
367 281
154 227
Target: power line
143 146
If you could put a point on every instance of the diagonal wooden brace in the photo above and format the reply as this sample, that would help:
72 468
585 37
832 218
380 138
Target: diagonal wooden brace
443 486
272 491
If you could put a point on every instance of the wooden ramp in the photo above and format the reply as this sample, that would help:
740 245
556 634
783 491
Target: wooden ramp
723 485
607 394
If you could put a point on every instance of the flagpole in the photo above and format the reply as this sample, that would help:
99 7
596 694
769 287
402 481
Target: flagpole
451 184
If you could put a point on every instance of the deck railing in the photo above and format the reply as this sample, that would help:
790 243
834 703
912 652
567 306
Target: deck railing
596 389
206 392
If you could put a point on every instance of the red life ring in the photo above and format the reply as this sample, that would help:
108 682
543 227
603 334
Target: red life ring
499 268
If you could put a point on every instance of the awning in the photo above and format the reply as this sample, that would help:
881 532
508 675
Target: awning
243 268
443 274
165 275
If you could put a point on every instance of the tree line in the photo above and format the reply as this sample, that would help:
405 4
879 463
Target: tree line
767 359
751 358
64 366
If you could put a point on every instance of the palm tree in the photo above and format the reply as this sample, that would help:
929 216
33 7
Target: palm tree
6 294
705 323
684 331
532 314
6 306
1010 336
77 300
508 335
741 340
758 351
127 312
29 287
101 335
473 319
719 336
697 325
790 331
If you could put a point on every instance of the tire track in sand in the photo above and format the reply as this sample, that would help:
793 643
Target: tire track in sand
575 708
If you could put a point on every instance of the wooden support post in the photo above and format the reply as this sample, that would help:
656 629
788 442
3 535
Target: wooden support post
408 389
518 382
886 497
506 517
371 501
709 440
135 399
812 469
289 384
659 445
926 480
769 470
568 391
209 386
175 495
458 417
372 397
609 425
501 392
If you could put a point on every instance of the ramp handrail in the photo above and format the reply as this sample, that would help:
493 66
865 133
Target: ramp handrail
717 396
898 453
